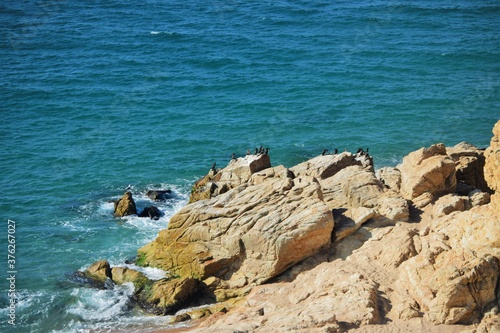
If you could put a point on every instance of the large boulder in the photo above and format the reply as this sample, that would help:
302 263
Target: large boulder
427 170
125 206
248 234
237 172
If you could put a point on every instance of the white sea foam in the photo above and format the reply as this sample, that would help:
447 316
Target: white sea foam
71 226
93 304
106 208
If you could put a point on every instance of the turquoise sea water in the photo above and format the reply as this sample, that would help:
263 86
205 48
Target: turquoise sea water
98 95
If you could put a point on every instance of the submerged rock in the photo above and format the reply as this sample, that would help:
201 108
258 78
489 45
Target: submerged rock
125 206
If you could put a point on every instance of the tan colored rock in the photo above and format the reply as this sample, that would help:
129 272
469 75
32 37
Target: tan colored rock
490 324
100 271
455 275
237 172
246 235
167 296
427 170
324 166
390 177
316 301
423 200
470 162
351 220
492 166
353 186
125 206
451 203
394 208
478 198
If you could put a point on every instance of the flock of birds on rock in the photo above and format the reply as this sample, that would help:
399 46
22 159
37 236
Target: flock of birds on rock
258 151
360 152
265 151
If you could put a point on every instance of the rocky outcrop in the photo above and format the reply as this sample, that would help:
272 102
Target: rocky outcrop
330 246
247 235
427 170
125 206
236 173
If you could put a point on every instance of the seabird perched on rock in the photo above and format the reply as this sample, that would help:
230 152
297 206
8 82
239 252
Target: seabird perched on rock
256 151
233 156
261 150
248 152
213 167
267 151
324 152
336 151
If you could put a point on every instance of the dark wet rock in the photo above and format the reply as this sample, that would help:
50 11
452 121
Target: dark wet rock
80 279
159 195
152 212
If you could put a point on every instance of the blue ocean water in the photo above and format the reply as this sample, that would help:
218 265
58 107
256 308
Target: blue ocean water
97 95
